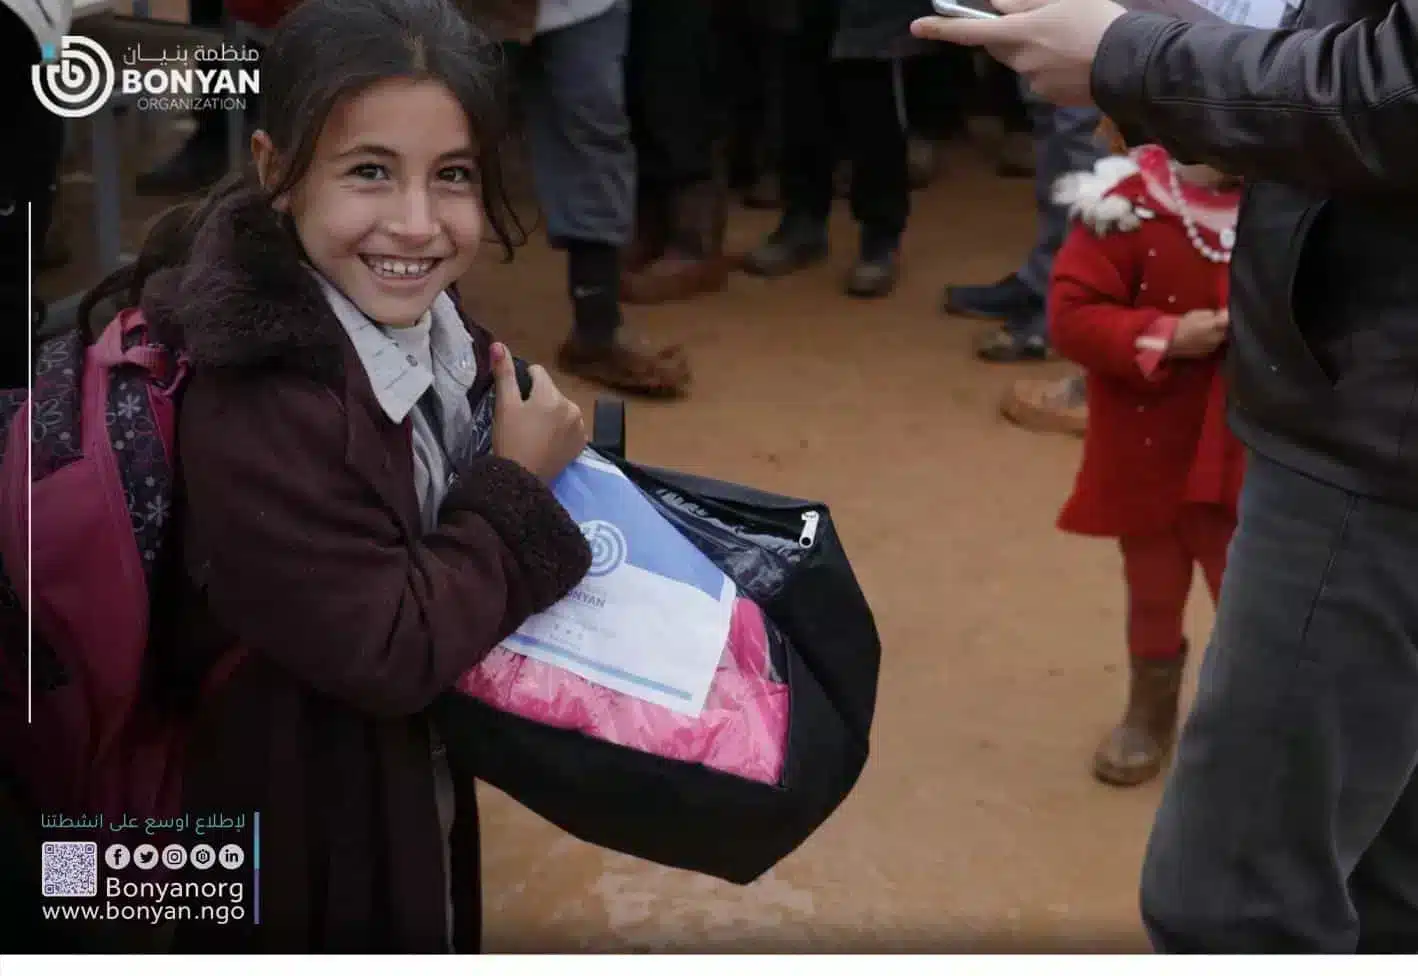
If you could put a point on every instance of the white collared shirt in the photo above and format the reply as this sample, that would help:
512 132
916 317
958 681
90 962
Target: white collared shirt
402 366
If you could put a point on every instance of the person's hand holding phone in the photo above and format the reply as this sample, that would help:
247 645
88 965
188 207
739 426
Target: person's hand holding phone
543 433
1049 43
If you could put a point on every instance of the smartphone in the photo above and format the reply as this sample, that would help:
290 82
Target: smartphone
973 9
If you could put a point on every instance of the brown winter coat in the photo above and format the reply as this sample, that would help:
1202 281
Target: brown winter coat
298 518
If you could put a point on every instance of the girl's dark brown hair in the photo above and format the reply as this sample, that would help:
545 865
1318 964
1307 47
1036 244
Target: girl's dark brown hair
325 51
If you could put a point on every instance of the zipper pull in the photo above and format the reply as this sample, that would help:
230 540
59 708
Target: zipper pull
809 533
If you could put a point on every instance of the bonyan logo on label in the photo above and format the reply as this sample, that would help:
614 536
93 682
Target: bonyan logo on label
608 546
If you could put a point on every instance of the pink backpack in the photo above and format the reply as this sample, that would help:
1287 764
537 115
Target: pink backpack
81 534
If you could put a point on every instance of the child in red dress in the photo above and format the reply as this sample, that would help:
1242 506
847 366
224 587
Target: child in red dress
1138 299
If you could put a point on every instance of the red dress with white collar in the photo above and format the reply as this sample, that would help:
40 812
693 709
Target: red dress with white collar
1144 250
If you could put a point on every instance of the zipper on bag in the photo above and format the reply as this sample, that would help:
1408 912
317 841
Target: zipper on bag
809 532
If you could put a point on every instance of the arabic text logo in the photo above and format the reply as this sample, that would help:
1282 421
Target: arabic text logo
77 82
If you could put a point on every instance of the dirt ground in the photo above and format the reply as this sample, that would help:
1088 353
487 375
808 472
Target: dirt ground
976 825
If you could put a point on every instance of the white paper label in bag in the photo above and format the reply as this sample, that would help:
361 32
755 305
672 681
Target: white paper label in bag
651 618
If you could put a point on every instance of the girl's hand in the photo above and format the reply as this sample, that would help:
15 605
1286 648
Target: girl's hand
543 433
1200 333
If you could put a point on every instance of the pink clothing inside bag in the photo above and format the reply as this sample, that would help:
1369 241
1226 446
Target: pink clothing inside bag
743 729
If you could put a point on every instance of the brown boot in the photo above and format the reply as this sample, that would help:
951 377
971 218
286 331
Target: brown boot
692 262
1048 406
1134 752
628 365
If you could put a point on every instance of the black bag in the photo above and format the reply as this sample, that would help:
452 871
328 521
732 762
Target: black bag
685 815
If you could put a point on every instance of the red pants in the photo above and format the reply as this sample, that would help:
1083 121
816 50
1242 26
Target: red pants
1158 571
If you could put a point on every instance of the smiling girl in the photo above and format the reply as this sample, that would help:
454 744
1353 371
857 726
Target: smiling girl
336 525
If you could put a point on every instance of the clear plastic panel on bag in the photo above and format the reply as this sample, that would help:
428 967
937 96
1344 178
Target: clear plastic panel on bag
742 730
759 562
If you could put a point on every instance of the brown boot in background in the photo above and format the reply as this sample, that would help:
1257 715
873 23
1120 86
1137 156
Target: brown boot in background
1135 751
692 262
629 365
1048 406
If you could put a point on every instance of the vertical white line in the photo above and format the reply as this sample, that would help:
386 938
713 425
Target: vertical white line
29 463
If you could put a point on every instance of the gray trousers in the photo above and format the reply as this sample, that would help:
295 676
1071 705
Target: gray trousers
1064 143
1290 822
573 89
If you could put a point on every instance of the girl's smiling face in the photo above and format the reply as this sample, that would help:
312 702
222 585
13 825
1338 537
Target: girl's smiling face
389 208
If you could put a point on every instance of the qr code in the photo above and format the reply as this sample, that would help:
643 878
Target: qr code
69 869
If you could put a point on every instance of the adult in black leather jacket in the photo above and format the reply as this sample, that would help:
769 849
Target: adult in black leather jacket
1291 819
1322 119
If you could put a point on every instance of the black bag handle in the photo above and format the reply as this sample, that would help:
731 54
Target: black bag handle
608 426
607 421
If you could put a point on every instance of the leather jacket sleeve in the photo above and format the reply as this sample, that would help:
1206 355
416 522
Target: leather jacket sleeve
1332 109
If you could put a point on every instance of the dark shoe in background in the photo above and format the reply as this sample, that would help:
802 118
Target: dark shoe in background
1005 299
799 242
878 266
1016 342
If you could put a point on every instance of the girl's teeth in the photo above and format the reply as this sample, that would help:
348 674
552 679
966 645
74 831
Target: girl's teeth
403 269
